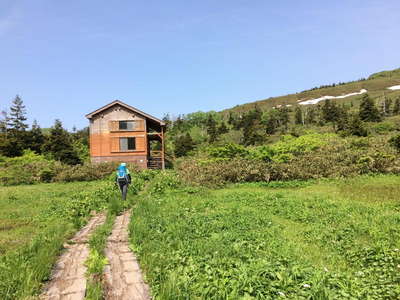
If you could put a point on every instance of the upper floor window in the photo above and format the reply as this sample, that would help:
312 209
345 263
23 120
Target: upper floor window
127 125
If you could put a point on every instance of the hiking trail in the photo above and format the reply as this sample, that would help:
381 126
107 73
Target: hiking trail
123 277
68 281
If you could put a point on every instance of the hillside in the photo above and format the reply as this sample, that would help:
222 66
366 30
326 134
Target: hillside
376 85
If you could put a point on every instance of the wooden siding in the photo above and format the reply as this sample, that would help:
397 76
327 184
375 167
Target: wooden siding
105 136
105 133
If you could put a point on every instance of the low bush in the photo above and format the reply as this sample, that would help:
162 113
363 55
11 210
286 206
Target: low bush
33 168
219 172
333 159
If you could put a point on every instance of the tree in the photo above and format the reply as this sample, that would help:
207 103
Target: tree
3 121
222 128
183 144
396 106
231 119
17 118
212 129
298 116
356 126
395 142
330 111
59 145
252 126
35 138
368 111
385 106
284 117
310 115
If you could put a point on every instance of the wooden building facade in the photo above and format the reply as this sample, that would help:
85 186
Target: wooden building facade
122 133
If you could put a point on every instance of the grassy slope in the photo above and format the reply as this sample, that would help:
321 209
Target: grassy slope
19 205
325 240
376 84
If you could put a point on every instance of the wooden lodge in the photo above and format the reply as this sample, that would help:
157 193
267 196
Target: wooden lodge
122 133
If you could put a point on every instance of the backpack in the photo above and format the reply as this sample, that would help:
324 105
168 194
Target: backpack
122 175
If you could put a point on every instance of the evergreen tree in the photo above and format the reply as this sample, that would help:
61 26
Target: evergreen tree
356 126
3 122
183 144
368 111
35 138
298 116
212 129
310 115
59 145
231 119
252 127
396 106
284 117
330 111
16 121
395 142
167 120
222 128
385 106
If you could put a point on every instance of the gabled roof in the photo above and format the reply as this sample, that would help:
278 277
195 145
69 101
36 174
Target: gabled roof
131 108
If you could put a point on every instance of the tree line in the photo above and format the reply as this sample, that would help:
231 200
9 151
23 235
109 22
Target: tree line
16 137
257 125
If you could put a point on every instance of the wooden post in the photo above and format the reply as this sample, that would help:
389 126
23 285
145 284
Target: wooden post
162 148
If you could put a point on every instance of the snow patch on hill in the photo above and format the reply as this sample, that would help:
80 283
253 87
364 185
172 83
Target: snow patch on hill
396 87
315 101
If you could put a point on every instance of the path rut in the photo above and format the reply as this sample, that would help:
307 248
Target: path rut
68 281
123 277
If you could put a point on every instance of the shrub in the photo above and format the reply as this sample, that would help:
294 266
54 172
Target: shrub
216 173
395 142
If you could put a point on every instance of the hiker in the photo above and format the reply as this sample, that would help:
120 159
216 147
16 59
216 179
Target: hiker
123 179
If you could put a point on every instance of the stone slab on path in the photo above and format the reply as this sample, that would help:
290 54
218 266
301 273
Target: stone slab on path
68 281
123 277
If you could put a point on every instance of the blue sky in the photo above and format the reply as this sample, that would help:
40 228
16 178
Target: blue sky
67 58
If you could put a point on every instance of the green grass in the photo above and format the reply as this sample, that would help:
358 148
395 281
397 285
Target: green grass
337 239
37 220
97 260
21 205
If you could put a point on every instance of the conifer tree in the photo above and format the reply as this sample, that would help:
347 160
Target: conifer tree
231 119
211 129
298 116
3 122
59 145
183 144
396 106
222 128
356 126
368 111
310 115
35 138
284 117
16 121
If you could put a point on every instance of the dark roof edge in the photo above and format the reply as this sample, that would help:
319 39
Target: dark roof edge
90 115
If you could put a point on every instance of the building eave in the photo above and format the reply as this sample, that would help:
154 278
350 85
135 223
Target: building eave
131 108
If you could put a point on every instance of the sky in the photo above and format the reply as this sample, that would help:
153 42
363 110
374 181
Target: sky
68 58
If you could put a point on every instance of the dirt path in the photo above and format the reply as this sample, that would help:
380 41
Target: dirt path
124 280
68 281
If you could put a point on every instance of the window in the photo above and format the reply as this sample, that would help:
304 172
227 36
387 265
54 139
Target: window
127 144
126 125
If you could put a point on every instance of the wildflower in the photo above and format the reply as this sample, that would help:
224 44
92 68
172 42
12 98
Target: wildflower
306 285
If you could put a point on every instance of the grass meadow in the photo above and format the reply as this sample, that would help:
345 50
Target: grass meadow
35 221
336 239
21 205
